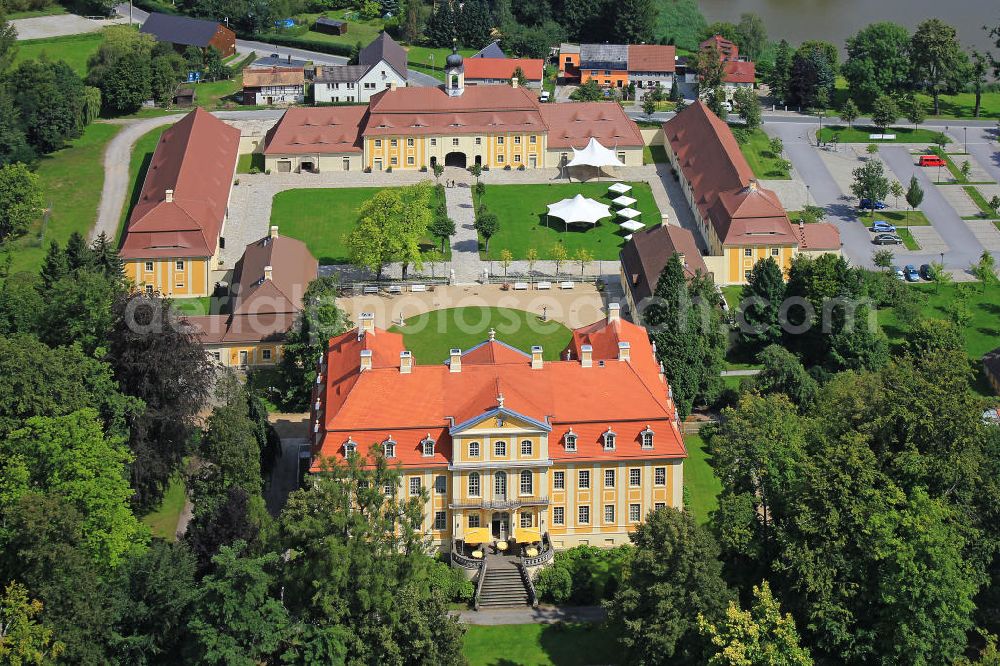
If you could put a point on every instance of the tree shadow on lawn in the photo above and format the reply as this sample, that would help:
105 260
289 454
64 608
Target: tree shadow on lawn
136 191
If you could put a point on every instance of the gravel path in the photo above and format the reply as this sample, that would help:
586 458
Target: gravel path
61 25
465 261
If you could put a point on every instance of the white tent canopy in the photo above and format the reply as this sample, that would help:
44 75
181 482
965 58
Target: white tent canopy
595 155
579 210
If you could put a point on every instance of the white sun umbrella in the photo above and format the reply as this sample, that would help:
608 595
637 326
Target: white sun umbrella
578 210
623 201
629 213
595 155
620 188
632 225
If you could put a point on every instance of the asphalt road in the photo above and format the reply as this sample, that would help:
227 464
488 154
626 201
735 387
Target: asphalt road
245 47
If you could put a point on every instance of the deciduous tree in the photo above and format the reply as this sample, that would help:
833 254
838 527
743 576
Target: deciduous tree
782 372
884 112
938 59
20 200
870 182
849 112
710 67
23 639
748 107
760 302
878 61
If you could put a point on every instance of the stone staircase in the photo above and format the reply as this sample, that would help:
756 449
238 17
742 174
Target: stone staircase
503 586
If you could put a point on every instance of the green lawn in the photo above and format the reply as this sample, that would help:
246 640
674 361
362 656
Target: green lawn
541 645
249 161
902 218
142 155
322 219
654 155
430 336
764 163
909 242
978 198
200 305
51 10
71 179
963 104
860 134
699 477
163 521
521 211
983 332
74 49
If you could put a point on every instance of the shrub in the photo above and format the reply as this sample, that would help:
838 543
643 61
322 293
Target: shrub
236 182
741 135
480 188
451 581
506 168
593 574
254 171
267 172
554 584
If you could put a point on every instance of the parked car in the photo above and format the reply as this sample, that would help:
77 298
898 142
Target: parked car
883 227
867 203
898 272
926 272
544 97
931 161
911 273
887 239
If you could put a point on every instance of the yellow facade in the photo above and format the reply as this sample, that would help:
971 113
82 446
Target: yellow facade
495 151
741 260
171 277
246 354
503 478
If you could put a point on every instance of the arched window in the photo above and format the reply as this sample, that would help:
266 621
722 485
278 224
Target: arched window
474 484
647 438
500 485
526 448
350 446
389 448
427 446
609 440
527 483
570 441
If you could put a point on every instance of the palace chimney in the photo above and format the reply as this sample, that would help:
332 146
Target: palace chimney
455 360
405 362
366 359
536 357
168 196
614 312
624 351
366 323
586 356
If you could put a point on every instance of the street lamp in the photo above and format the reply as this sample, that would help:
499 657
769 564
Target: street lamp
942 260
820 132
431 58
966 131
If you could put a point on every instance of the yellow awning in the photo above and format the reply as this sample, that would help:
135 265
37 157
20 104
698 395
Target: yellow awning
526 535
475 535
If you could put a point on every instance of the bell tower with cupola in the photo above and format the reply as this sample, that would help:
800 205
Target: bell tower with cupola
454 73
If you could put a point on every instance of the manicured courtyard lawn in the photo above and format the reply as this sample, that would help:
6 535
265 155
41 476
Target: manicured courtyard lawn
521 212
983 332
74 49
763 162
200 305
430 336
322 219
249 161
860 134
163 521
699 477
142 155
654 155
541 645
72 179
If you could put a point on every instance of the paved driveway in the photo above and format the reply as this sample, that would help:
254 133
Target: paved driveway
41 27
962 245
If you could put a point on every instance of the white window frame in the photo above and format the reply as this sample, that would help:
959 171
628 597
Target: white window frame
473 520
149 266
609 475
266 354
440 520
440 484
416 484
474 449
350 446
634 513
474 485
659 476
527 520
559 480
500 449
527 447
427 447
583 515
609 514
635 477
583 479
389 448
609 440
646 436
659 505
569 441
526 482
558 515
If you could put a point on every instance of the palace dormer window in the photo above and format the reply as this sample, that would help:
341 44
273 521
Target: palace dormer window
427 447
350 446
570 440
389 448
646 437
609 440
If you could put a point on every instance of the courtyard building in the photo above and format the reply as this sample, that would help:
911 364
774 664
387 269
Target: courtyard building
508 446
183 31
269 282
618 65
173 236
497 127
381 65
738 71
646 255
275 85
741 221
499 71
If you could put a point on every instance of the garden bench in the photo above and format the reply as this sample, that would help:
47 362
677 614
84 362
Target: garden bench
395 289
418 287
543 285
520 286
370 290
565 285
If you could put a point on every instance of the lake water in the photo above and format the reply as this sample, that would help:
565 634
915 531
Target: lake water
836 20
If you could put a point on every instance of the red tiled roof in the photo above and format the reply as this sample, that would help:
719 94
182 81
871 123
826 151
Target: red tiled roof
331 129
725 189
196 159
572 125
819 236
503 68
727 49
274 76
625 396
645 256
739 72
651 58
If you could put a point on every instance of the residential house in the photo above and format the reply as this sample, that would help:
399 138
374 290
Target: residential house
504 443
498 71
491 50
738 72
173 235
453 125
183 31
569 63
740 220
607 64
381 65
274 85
649 64
645 256
269 282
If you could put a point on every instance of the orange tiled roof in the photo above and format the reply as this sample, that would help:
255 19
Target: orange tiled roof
739 72
195 159
331 129
651 58
274 76
572 125
559 397
503 68
725 189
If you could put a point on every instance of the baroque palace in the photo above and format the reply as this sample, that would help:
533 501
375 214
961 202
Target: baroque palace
508 446
453 125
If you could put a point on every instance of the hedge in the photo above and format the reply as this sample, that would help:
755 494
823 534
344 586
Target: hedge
330 48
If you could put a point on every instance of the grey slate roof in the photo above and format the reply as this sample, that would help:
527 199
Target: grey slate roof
385 48
491 50
341 73
274 60
180 29
604 56
328 21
